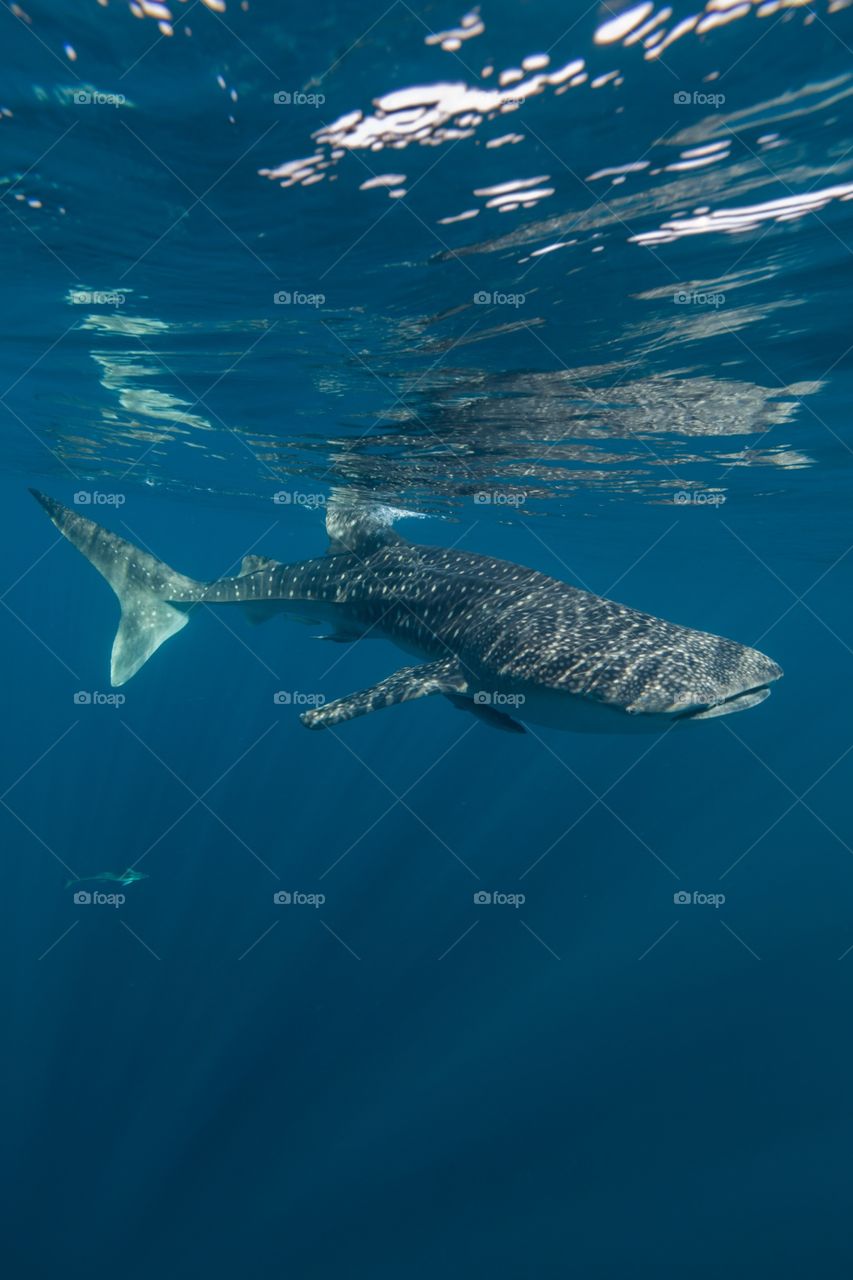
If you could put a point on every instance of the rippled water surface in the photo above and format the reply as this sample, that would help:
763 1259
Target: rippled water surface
568 257
572 284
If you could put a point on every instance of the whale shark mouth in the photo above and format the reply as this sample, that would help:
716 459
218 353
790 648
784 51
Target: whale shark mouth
737 702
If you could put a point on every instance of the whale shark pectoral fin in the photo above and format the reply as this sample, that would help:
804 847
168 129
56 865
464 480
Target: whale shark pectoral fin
145 623
445 676
489 716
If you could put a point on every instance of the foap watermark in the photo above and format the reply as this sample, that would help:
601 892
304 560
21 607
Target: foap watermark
487 298
294 898
494 898
698 298
293 698
683 98
84 898
293 298
93 298
284 98
494 498
494 698
682 898
94 498
93 98
296 498
698 498
92 698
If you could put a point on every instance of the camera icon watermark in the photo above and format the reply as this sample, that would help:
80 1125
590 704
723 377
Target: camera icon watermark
698 498
495 698
288 497
83 898
94 498
495 898
294 898
698 298
294 698
683 98
488 298
89 298
496 498
682 898
295 298
92 698
91 97
284 98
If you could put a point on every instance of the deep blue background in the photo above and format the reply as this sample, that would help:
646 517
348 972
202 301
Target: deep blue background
601 1082
493 1111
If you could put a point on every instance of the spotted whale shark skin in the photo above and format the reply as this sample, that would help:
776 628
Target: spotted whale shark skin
504 642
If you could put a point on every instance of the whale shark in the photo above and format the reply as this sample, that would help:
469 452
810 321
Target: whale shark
505 643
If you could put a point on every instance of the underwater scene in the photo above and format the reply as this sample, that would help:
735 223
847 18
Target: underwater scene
428 639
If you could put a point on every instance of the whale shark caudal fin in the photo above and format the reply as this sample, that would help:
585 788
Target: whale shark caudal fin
144 586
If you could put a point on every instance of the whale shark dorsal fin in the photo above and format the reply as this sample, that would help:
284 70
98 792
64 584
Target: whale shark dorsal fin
144 586
444 676
257 611
251 564
360 526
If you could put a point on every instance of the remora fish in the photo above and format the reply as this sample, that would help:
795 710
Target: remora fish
495 634
120 877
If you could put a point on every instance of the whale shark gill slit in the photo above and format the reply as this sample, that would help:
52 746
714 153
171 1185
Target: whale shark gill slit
491 634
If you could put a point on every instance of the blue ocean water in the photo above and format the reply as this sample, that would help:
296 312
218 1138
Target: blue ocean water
571 285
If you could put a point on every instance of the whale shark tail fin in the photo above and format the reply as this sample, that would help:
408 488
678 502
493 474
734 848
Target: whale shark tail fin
153 597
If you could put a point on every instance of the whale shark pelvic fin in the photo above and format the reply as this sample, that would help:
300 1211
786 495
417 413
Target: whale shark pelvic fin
144 586
489 715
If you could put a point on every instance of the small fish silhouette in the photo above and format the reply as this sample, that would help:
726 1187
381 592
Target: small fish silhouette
125 877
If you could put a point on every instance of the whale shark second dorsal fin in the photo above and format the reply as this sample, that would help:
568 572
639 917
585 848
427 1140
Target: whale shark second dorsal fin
362 526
